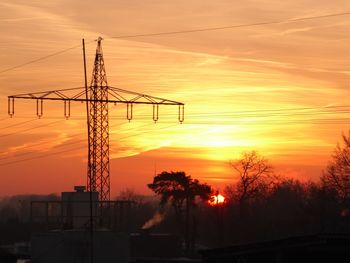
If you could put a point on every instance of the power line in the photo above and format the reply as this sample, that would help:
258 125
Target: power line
17 124
302 121
307 121
29 129
266 122
39 59
62 145
3 119
73 149
307 111
233 26
298 111
206 29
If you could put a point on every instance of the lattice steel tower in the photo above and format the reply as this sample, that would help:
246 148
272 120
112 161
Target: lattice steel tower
98 127
97 97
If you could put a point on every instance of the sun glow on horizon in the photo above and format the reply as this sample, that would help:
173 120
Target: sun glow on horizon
217 199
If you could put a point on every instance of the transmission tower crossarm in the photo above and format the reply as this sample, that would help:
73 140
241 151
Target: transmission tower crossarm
138 96
115 93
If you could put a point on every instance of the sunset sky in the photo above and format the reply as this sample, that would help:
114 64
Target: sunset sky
281 89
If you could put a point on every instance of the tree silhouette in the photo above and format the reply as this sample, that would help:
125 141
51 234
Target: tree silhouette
181 191
255 177
337 174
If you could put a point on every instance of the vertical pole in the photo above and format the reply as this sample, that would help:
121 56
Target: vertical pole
47 214
62 215
187 226
31 214
89 162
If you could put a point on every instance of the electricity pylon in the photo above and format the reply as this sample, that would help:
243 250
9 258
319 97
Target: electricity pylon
97 96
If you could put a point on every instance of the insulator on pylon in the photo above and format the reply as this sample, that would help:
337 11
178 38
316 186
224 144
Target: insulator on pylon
39 108
67 109
155 112
11 106
129 111
181 113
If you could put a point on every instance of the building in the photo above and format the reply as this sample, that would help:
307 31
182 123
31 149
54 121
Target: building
80 227
73 246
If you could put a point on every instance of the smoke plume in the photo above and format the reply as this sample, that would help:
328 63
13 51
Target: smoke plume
155 220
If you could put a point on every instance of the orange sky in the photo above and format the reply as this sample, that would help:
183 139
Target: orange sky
244 88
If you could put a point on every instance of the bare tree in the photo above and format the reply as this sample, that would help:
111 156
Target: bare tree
255 178
337 174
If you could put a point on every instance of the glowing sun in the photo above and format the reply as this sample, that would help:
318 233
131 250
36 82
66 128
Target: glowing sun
216 200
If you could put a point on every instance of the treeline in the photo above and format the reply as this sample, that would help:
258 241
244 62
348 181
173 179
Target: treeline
263 206
259 205
288 208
